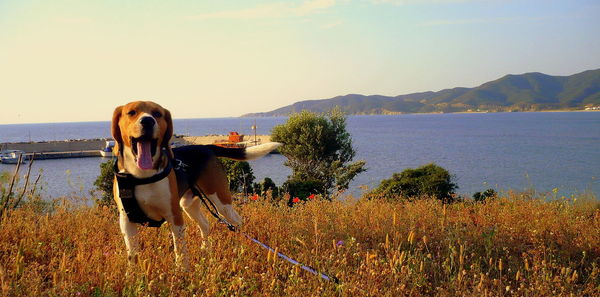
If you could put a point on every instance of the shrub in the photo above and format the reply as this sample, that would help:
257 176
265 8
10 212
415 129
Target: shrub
268 185
428 180
480 197
302 188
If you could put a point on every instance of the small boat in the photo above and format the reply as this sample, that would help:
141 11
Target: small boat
107 151
12 156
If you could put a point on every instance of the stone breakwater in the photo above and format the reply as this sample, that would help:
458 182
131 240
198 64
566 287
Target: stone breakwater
56 146
86 145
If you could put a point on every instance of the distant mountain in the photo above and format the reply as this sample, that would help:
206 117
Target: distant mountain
525 92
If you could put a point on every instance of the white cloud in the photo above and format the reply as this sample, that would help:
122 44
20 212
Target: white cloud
448 22
271 10
464 21
408 2
315 5
333 24
72 20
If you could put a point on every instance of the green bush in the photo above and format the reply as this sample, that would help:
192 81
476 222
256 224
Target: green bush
104 184
487 194
302 188
267 185
429 180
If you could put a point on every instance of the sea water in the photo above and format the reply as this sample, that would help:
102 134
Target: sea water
519 151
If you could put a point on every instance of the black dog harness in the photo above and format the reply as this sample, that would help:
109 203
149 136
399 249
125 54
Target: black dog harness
188 163
127 183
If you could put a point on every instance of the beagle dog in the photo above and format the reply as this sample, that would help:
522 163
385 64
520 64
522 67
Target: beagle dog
142 131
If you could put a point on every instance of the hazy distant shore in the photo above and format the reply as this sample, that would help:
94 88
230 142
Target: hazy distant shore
433 112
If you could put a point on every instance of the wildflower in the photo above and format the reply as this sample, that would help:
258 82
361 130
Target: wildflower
255 197
312 196
340 243
295 200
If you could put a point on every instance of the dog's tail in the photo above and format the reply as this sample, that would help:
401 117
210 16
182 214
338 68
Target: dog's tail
245 154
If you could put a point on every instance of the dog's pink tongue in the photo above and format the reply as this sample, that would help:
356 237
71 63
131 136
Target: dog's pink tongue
144 158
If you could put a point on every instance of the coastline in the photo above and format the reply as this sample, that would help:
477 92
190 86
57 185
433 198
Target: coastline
434 112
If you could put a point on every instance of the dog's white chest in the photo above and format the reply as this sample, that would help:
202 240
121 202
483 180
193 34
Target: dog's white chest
154 198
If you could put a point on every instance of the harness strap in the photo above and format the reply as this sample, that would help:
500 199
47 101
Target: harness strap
142 181
127 183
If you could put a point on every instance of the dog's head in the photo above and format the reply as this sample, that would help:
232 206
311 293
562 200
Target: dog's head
141 129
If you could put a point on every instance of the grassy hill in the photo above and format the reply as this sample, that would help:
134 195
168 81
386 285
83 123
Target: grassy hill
525 92
510 246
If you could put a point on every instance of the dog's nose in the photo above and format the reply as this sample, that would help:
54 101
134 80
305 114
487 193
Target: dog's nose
148 122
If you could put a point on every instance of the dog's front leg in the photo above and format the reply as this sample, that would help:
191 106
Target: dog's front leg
179 244
191 206
130 231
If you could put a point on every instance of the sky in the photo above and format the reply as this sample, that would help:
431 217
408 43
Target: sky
72 60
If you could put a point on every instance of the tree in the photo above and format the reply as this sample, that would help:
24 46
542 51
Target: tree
318 148
428 180
239 174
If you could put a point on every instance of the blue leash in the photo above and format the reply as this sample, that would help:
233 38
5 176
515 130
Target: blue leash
215 213
305 267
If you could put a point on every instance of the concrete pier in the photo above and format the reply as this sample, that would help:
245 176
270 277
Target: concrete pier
56 146
82 148
62 155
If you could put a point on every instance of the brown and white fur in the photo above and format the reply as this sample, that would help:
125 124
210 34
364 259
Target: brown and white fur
143 129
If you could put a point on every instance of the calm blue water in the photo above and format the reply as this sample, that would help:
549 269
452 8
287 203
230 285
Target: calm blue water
494 150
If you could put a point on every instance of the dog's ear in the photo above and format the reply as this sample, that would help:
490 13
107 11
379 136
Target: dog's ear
168 134
116 131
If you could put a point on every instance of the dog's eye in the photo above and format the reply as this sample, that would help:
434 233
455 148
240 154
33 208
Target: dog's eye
156 114
131 112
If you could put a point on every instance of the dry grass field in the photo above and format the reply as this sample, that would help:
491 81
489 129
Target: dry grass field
513 245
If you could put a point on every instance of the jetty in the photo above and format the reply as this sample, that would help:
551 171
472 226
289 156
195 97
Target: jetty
84 148
75 148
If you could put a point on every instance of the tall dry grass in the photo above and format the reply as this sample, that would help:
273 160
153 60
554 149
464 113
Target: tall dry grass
512 245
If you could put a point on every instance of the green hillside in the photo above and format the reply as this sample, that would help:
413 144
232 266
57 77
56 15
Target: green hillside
525 92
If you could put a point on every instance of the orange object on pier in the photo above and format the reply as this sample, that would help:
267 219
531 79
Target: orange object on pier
234 140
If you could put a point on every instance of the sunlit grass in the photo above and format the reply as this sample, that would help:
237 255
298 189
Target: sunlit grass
513 245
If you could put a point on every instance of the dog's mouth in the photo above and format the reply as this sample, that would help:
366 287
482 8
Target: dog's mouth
144 148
